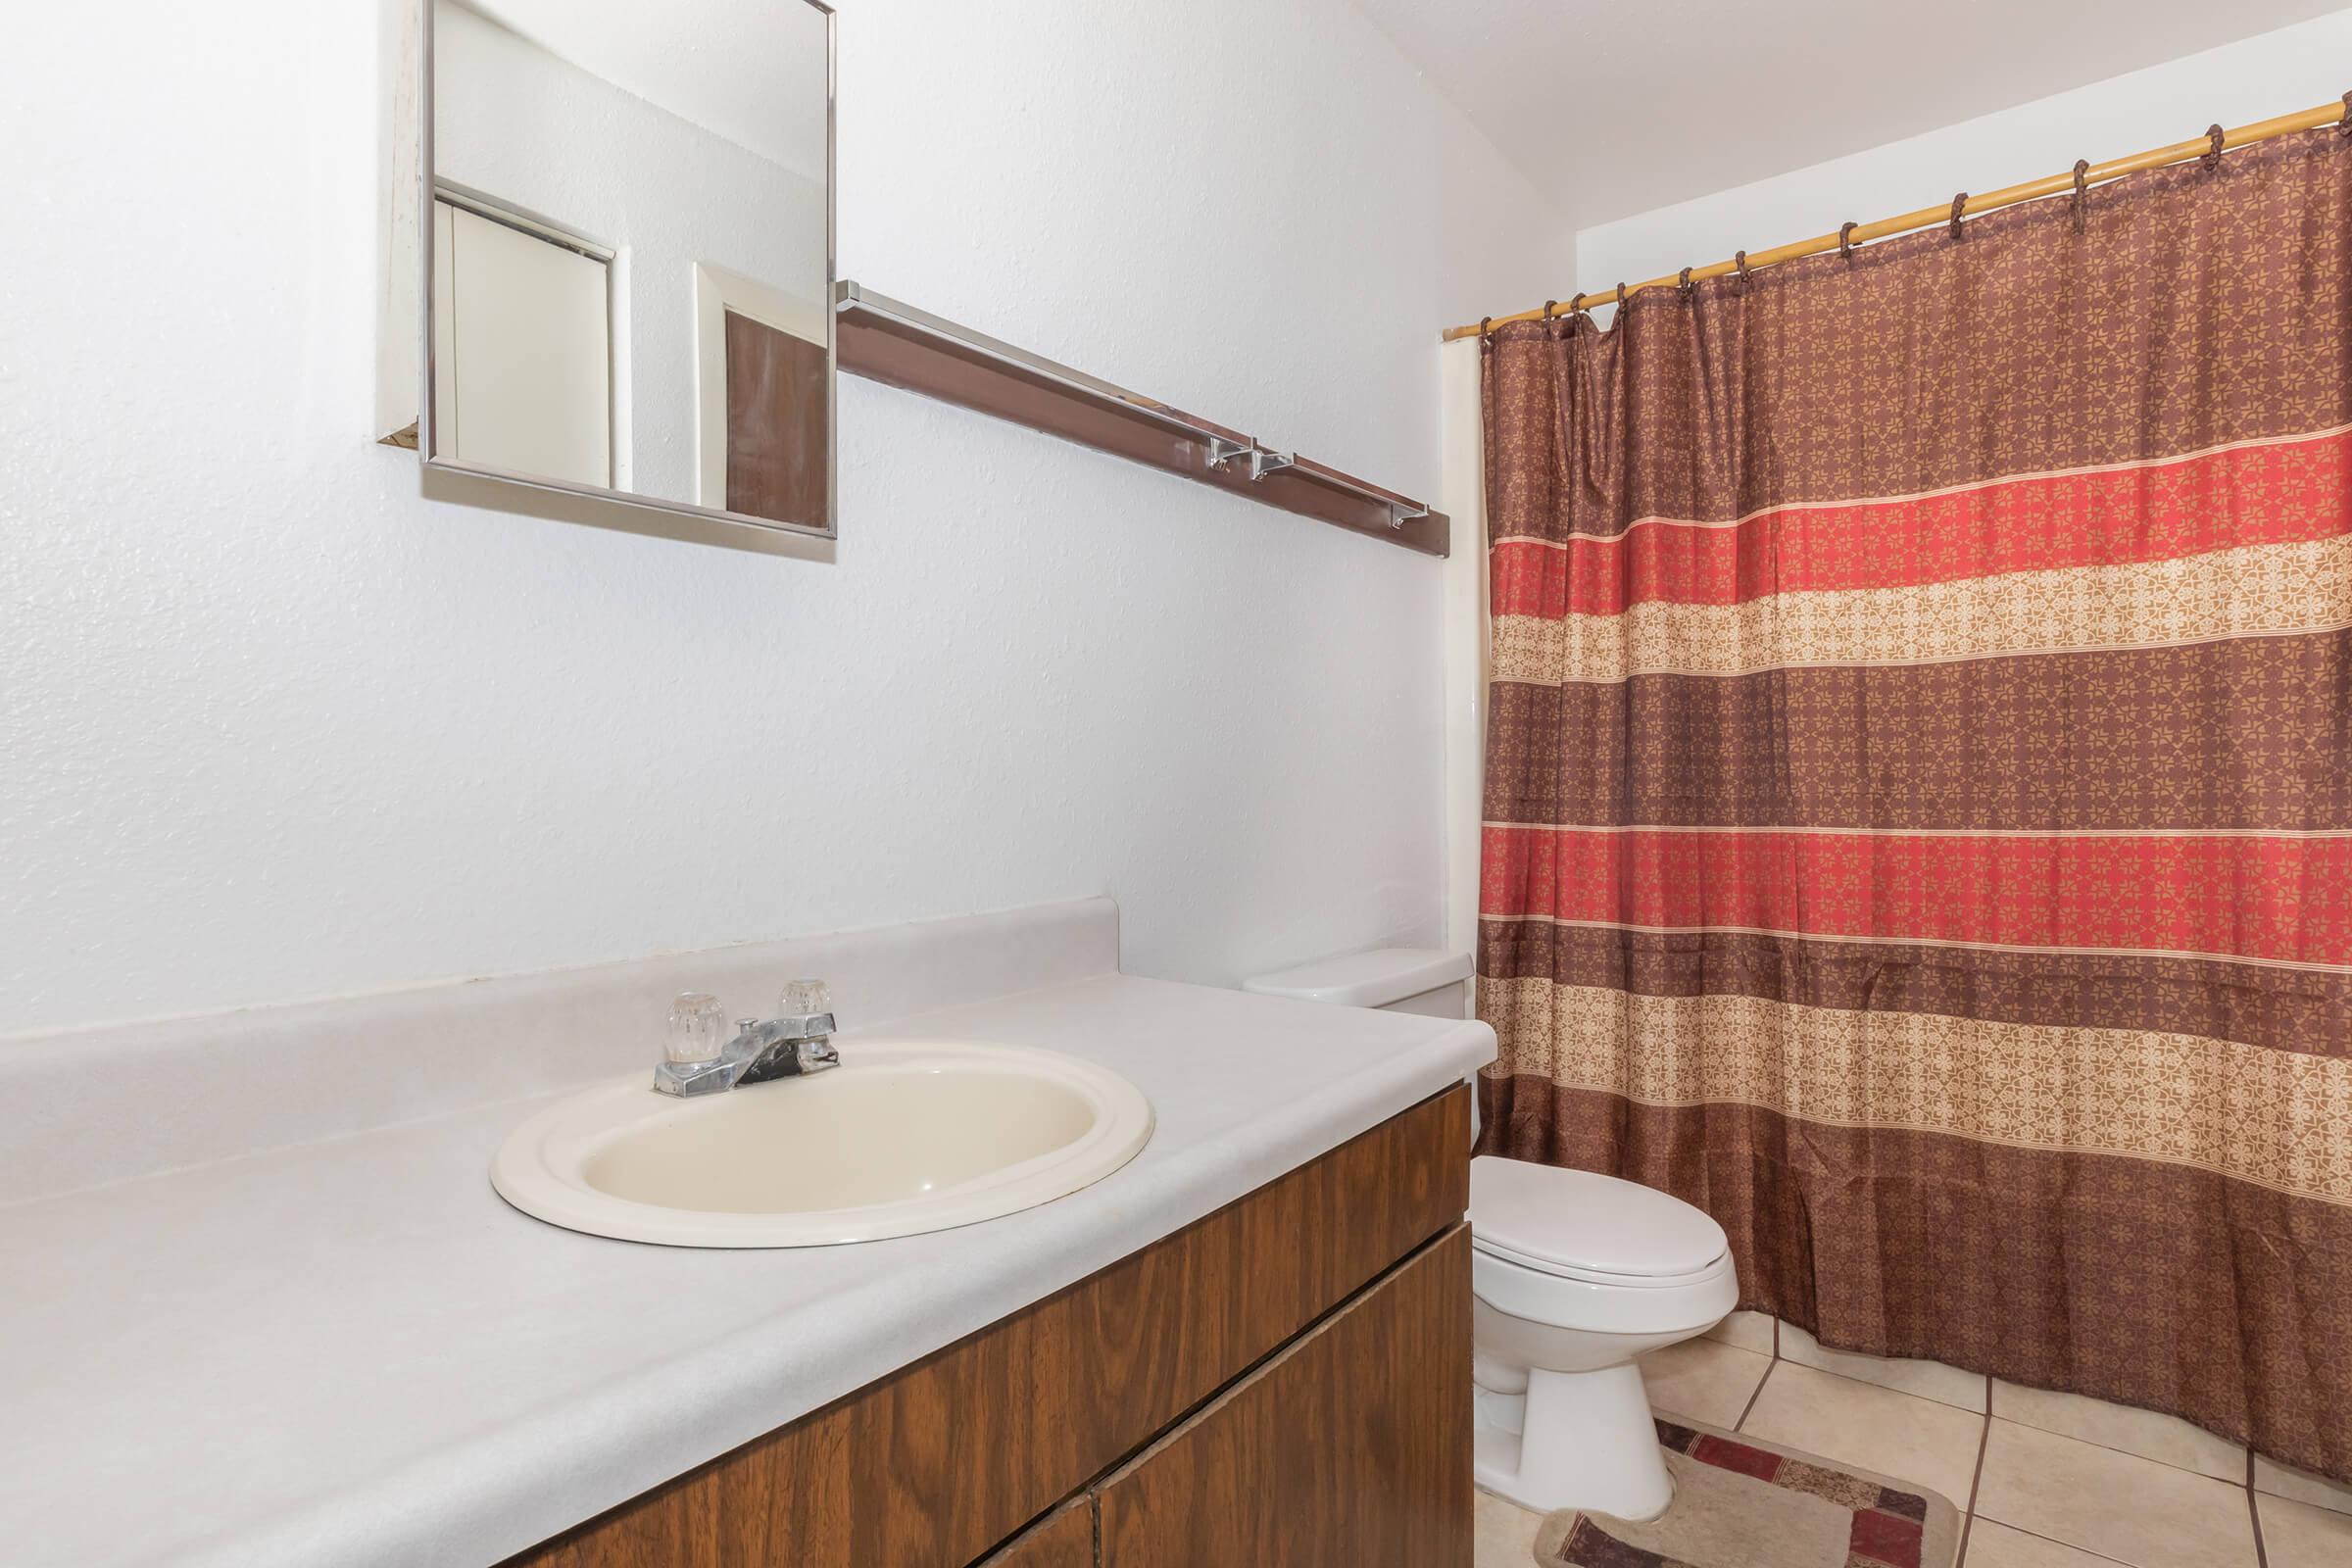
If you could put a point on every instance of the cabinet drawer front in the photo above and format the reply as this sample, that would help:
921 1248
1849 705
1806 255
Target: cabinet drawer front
938 1462
1350 1450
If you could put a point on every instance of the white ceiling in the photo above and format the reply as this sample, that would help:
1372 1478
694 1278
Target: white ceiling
1616 107
750 71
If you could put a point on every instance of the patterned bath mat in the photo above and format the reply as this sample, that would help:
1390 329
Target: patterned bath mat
1742 1503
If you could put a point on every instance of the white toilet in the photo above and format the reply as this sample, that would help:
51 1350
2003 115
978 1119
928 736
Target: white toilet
1574 1274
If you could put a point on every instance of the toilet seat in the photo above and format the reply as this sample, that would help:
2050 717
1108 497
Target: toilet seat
1581 1225
1597 1276
1598 1306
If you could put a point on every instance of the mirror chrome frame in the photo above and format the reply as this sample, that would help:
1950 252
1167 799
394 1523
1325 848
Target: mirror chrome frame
429 189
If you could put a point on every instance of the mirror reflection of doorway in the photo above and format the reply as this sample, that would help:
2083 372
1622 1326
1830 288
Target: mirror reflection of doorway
763 404
523 350
777 420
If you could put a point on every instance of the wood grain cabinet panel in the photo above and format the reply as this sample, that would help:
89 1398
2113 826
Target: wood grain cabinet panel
1350 1450
1063 1539
943 1461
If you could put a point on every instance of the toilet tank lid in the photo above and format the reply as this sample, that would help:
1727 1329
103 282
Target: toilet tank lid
1370 979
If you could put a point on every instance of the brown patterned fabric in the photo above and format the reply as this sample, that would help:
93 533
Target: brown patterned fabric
1919 784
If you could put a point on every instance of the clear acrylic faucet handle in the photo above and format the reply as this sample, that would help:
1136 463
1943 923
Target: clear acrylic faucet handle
697 1027
804 998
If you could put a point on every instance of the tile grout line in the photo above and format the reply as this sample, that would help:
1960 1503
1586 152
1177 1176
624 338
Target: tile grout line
1758 1393
2262 1556
2109 1448
2033 1426
2066 1544
1984 1446
1975 1482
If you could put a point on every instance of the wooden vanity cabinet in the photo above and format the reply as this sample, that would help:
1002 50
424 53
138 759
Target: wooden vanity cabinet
1284 1382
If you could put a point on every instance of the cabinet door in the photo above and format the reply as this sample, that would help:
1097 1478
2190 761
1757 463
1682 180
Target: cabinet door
1064 1540
1350 1449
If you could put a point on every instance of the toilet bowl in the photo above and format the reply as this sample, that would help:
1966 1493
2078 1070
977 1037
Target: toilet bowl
1572 1274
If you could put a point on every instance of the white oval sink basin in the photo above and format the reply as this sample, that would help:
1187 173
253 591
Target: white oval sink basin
902 1138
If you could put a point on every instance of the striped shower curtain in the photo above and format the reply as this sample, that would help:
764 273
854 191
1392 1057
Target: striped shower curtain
1919 784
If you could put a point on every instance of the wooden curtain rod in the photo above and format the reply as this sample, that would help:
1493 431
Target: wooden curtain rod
2180 152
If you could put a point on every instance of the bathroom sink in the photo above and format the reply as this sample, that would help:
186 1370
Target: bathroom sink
902 1138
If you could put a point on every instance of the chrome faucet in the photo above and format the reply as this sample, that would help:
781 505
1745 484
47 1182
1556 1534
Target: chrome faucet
795 1043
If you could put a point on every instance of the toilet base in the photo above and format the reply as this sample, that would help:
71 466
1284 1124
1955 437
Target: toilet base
1583 1439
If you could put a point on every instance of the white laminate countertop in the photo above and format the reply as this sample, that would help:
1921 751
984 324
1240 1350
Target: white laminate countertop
352 1353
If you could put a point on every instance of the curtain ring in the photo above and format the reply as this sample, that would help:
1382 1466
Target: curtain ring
1684 286
2212 158
2082 189
1547 309
1959 205
2345 124
1845 239
1740 262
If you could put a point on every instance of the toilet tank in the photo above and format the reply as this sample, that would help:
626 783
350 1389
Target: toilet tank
1425 980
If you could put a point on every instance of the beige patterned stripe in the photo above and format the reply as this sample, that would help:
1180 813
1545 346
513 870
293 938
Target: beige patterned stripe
2256 591
2280 1119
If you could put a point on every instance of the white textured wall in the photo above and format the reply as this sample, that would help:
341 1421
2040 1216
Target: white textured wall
2236 84
274 726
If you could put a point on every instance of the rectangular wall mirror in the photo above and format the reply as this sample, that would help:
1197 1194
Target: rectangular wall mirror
629 260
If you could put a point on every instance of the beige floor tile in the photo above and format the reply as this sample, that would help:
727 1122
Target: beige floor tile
2119 1506
2296 1535
1506 1531
1996 1545
1702 1380
1750 1331
2165 1438
1930 1380
1894 1434
2283 1480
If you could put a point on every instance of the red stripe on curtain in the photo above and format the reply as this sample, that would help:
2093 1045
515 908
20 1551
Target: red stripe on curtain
2268 493
2267 899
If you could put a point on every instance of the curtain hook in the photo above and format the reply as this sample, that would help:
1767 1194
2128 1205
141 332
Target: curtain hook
2082 189
2212 158
1684 286
1740 262
1959 207
1845 240
1620 304
1576 306
2345 124
1486 333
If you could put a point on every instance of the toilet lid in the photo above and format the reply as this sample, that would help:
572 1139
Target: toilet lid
1584 1225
